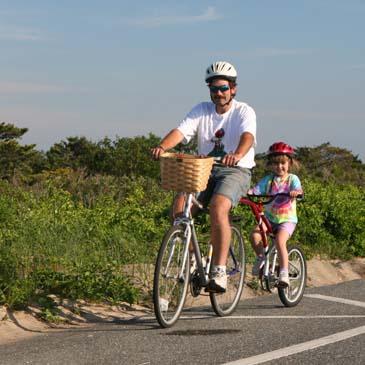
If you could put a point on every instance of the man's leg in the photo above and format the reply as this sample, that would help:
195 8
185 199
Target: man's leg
220 239
231 184
220 228
178 206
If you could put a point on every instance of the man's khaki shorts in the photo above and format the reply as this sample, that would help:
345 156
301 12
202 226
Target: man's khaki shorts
232 182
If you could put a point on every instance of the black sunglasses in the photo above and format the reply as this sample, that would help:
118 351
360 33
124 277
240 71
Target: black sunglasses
222 89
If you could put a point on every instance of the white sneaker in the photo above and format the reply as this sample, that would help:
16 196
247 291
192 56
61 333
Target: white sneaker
217 282
283 279
259 263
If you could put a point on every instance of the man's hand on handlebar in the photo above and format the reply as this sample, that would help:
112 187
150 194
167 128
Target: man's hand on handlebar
156 152
231 159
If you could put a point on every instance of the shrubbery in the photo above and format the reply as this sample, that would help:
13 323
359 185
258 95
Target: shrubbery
74 220
72 235
75 242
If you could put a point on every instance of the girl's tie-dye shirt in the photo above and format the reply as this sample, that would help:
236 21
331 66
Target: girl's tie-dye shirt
283 208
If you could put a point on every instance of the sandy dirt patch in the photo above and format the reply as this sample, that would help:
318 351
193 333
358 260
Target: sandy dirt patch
20 325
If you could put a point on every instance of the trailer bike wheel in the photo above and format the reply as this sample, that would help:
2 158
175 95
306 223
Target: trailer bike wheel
171 278
293 293
225 303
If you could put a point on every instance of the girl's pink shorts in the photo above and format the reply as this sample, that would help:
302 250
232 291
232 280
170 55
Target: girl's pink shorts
286 226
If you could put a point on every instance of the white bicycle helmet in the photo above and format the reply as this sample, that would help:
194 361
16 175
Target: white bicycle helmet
221 69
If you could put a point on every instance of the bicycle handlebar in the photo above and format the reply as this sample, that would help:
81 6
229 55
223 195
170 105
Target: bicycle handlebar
272 197
218 161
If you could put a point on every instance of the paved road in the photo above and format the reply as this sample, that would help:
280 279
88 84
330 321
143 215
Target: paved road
327 327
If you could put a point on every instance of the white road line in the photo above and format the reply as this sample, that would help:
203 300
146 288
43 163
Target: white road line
295 349
295 317
335 299
267 317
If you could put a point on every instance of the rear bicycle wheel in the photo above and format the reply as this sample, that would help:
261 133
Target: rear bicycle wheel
225 303
171 278
293 294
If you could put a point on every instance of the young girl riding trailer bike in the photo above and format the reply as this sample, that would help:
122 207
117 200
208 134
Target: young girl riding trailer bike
281 211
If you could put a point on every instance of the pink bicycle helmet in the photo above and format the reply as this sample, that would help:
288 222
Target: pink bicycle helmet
281 148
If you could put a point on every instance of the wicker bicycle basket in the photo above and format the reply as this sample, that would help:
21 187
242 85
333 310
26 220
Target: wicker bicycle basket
188 173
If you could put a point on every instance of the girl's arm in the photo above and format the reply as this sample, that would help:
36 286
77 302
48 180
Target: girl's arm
295 187
261 188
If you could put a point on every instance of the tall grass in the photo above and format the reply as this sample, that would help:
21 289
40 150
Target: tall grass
75 241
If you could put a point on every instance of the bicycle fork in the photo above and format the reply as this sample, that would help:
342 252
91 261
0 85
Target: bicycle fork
271 257
190 236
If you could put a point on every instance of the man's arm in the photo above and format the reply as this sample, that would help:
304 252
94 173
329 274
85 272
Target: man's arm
172 139
245 143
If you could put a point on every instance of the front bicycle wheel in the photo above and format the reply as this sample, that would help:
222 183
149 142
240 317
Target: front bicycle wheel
293 294
225 303
171 277
269 282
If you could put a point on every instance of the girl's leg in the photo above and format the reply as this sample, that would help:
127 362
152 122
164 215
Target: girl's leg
282 237
256 241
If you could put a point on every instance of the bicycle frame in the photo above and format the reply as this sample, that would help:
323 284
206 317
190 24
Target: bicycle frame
258 212
191 236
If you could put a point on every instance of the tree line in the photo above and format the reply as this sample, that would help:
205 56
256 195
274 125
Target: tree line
129 156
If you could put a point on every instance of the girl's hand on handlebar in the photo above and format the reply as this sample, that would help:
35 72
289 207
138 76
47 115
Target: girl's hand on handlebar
294 193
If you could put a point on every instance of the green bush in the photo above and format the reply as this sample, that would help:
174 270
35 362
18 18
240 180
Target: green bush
331 220
51 235
93 281
75 235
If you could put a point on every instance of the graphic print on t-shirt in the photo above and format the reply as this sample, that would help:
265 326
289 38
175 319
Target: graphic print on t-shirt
218 150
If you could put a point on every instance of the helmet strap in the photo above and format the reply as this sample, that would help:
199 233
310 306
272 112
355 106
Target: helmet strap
229 101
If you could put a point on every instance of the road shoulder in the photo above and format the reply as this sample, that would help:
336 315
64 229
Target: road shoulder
21 325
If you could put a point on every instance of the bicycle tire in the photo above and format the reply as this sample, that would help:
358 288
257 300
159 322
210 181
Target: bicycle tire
293 294
225 303
169 286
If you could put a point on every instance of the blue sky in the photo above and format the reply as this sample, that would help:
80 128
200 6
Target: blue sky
92 68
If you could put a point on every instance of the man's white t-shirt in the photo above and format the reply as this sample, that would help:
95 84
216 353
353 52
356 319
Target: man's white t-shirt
204 121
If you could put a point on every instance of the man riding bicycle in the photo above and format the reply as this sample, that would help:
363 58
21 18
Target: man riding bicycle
225 128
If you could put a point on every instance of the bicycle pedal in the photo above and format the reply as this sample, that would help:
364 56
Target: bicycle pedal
281 285
214 289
